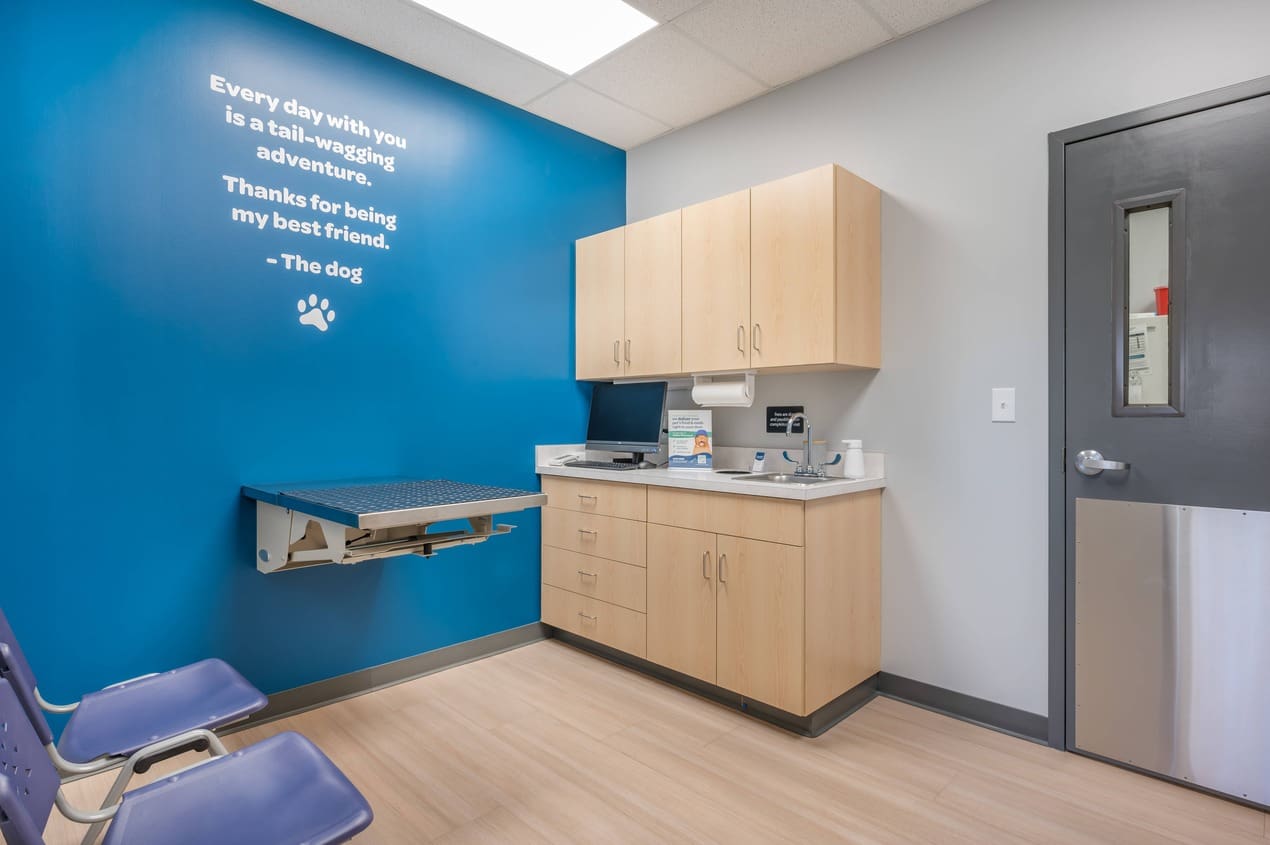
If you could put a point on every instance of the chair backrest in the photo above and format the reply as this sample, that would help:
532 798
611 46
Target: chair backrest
15 670
28 781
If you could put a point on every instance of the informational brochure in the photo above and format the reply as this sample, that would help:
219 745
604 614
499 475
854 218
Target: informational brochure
691 439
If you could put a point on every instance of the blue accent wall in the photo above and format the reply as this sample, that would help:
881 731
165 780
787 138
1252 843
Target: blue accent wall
153 362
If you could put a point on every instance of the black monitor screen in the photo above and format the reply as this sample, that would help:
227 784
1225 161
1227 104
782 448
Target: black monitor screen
626 417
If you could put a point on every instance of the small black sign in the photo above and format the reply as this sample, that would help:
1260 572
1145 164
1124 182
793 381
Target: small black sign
778 417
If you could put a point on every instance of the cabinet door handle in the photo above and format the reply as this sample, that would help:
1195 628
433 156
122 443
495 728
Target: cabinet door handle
740 338
628 350
756 337
583 573
616 354
588 618
723 569
705 565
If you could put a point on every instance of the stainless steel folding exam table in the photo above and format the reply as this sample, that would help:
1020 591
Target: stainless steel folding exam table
348 522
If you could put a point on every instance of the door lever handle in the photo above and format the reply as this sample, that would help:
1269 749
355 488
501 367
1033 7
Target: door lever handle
1091 462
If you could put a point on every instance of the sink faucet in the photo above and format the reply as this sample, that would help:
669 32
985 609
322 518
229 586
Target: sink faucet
805 468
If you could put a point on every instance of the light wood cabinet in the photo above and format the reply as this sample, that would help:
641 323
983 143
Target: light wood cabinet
815 271
777 520
653 294
760 621
775 599
618 627
607 498
681 602
782 276
716 284
589 534
587 575
599 318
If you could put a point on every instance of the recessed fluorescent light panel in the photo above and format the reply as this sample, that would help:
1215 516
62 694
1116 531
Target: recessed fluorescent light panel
568 35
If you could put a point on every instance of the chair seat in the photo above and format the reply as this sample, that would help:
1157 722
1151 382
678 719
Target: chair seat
281 791
122 719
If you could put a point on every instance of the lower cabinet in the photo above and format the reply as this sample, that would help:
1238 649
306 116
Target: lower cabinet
681 600
597 620
788 616
760 611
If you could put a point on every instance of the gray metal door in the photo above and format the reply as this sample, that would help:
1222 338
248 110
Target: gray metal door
1167 446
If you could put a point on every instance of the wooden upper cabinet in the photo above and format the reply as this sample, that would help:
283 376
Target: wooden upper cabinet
653 341
815 271
786 275
760 611
716 284
599 321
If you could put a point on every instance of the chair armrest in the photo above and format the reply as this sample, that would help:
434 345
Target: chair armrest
53 708
84 817
196 740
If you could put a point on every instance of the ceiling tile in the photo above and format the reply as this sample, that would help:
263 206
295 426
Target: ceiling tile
664 10
780 42
409 32
596 115
905 16
666 75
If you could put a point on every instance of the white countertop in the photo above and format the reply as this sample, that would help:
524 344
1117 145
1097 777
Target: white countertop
714 482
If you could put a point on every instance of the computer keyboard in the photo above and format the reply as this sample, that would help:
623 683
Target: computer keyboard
601 465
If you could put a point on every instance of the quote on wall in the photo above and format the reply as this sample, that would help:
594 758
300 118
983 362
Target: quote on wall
298 137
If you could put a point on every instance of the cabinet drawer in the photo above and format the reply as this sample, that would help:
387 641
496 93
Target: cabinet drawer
618 627
606 498
603 536
606 580
753 517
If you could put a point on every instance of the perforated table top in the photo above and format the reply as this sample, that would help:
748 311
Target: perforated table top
390 502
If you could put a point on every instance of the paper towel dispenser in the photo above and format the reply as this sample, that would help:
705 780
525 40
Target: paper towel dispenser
724 390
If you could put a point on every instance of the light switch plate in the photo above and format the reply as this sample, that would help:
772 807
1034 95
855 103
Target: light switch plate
1003 404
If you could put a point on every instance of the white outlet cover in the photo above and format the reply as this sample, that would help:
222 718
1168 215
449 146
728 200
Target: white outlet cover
1003 404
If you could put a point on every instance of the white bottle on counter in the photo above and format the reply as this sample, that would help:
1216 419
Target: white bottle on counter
853 456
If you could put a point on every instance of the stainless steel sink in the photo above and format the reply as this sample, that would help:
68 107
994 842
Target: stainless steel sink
785 478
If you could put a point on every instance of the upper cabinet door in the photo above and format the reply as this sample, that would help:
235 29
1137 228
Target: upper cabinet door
716 284
653 296
600 328
792 302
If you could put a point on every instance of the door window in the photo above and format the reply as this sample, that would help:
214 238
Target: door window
1147 304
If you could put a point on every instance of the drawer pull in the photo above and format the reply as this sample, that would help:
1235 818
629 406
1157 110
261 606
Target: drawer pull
584 496
584 574
588 531
705 565
723 569
588 618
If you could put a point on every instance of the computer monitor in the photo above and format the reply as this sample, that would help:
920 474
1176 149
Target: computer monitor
626 417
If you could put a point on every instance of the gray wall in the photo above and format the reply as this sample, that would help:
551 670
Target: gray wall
951 123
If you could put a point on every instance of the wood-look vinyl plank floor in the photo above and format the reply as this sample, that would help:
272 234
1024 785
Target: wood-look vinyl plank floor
547 744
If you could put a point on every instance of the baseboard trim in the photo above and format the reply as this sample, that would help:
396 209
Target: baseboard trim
813 724
320 693
967 708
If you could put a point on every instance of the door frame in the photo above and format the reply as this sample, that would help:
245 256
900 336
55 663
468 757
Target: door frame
1061 584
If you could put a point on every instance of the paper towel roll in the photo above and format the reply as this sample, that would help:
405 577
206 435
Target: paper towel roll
734 394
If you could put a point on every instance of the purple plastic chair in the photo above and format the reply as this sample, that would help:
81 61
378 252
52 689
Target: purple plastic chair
281 790
136 723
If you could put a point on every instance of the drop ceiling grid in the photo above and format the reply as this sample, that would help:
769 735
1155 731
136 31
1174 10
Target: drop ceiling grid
706 56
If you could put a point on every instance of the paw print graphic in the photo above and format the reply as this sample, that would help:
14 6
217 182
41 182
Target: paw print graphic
315 313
